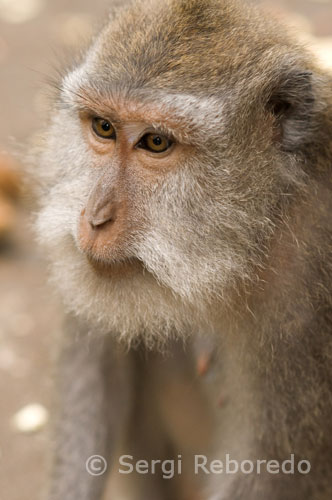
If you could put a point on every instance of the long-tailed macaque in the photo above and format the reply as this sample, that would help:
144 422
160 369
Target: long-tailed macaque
185 205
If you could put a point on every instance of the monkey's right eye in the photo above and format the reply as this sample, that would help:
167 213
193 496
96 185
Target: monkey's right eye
103 128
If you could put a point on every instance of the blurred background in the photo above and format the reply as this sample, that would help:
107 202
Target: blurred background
35 35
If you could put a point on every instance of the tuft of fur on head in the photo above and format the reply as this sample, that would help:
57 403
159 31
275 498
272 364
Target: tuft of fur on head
209 224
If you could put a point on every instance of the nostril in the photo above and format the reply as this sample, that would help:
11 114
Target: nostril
97 223
100 219
98 216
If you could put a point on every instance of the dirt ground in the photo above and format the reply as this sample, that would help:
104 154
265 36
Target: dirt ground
34 35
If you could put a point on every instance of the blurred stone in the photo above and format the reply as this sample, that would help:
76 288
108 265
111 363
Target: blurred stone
9 177
7 216
9 193
30 418
19 11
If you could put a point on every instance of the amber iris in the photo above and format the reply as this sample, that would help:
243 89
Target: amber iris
103 128
155 143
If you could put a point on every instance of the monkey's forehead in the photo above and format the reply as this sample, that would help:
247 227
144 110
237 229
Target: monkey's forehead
187 45
186 56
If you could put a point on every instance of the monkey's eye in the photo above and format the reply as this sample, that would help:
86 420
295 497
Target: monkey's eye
103 128
155 143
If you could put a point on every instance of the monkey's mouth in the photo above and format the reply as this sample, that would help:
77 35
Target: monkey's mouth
122 268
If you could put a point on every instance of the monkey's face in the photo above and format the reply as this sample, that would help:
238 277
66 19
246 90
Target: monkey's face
132 157
148 213
161 198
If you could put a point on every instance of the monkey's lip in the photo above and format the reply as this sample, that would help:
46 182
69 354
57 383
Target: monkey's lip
121 268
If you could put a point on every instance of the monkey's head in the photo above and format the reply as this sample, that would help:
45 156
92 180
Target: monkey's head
171 157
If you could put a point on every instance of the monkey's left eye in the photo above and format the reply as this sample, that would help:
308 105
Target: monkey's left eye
103 128
155 143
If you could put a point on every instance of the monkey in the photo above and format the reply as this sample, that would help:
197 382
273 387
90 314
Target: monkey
184 183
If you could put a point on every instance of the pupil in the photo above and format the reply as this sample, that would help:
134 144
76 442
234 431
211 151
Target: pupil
106 126
157 140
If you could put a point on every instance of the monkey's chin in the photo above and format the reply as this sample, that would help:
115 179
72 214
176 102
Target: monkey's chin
117 269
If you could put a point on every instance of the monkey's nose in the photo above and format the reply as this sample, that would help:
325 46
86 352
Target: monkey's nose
98 218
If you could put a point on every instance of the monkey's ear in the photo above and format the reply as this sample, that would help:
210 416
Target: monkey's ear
292 103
